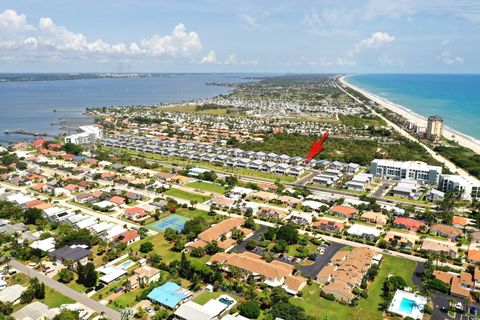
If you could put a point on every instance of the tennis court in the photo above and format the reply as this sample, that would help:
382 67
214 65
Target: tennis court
173 221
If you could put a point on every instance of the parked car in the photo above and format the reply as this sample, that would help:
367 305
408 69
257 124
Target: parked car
89 290
117 289
473 310
99 287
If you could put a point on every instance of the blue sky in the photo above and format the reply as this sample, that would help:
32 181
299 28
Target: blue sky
245 36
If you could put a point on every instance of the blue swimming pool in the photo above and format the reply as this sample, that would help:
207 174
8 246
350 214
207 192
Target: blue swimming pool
173 221
226 301
407 305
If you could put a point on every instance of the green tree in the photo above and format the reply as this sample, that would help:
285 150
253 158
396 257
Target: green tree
65 275
249 309
146 247
67 315
289 233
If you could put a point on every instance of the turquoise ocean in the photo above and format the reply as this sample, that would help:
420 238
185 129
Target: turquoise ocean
455 97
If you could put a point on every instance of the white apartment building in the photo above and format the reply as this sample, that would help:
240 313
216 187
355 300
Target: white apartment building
411 170
468 184
87 135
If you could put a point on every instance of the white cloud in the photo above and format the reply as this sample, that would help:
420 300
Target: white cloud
329 22
232 59
179 42
19 40
249 22
211 57
447 58
386 60
377 39
445 42
12 23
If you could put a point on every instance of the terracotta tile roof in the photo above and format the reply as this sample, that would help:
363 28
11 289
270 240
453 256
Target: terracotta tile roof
226 243
327 222
344 210
476 274
39 186
474 255
443 276
117 200
223 227
447 230
127 236
270 270
267 186
295 283
466 279
409 223
457 290
437 246
459 221
135 210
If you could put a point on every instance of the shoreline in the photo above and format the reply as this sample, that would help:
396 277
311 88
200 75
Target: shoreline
448 133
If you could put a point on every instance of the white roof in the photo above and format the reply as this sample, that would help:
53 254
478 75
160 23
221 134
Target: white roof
113 274
115 231
44 245
242 190
86 223
12 293
19 198
360 229
100 227
312 204
104 204
194 311
53 211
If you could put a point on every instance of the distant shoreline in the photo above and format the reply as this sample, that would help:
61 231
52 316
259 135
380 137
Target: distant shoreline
449 133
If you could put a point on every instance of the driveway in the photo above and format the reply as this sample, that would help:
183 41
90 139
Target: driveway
66 291
242 246
322 261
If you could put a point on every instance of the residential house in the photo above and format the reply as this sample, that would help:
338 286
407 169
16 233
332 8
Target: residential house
374 217
343 211
447 231
408 223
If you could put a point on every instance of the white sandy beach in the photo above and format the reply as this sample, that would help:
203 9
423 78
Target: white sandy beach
416 119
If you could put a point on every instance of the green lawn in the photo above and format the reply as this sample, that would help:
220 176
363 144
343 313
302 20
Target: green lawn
108 290
367 308
54 299
127 299
207 186
205 297
177 193
73 284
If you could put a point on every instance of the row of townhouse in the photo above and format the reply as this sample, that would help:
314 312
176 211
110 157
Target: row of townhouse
279 167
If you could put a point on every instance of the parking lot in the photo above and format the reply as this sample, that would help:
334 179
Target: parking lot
321 260
441 303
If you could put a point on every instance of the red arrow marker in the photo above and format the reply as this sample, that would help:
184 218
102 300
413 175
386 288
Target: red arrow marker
316 148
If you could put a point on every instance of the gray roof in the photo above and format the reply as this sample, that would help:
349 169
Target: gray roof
74 253
35 310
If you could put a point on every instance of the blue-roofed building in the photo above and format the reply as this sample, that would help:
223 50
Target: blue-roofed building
79 158
169 294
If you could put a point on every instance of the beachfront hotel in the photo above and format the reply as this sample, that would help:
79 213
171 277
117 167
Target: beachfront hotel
410 170
434 128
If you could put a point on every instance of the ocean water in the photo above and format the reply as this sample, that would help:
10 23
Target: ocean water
455 97
31 105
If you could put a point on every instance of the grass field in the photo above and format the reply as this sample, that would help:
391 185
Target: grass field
367 308
126 300
177 193
55 299
205 297
207 186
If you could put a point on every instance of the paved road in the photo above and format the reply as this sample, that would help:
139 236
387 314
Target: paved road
66 291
